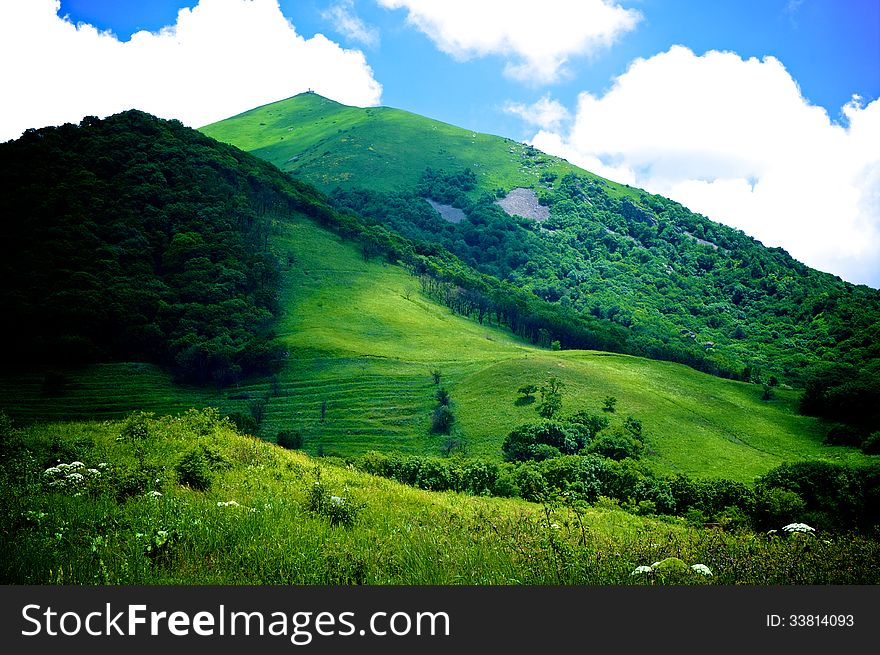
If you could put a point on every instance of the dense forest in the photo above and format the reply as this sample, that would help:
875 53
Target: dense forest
136 238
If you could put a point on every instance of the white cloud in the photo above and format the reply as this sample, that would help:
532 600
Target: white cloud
735 140
537 39
222 57
546 113
348 23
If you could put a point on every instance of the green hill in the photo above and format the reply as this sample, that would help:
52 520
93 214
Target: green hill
381 148
363 339
153 269
668 283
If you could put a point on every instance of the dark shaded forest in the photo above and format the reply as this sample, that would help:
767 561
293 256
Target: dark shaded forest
137 238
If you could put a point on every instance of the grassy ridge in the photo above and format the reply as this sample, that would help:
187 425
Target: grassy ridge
331 145
363 340
135 520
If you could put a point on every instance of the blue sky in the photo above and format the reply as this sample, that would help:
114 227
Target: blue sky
762 114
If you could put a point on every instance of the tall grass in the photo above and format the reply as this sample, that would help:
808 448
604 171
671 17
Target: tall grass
137 522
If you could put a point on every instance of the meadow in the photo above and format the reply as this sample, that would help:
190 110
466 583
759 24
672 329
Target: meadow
187 500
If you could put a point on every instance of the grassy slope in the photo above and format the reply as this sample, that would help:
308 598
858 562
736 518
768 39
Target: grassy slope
381 148
400 535
364 340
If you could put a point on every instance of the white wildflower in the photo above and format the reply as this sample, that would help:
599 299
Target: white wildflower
154 494
798 527
103 465
642 569
75 477
52 470
94 471
77 465
555 526
702 569
228 503
337 500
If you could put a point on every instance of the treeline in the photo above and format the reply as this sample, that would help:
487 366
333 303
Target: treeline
824 495
138 238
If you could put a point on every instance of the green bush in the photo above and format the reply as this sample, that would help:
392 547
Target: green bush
137 426
196 468
617 446
871 445
339 510
290 439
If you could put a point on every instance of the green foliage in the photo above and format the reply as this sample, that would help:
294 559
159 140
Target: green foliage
617 445
197 467
239 532
244 423
609 404
442 419
290 439
551 398
139 239
539 441
338 510
871 444
137 426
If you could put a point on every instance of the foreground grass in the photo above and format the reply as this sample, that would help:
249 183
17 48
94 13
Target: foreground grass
136 523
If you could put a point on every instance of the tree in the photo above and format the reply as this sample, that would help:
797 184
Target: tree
442 419
609 404
442 396
551 398
528 394
290 439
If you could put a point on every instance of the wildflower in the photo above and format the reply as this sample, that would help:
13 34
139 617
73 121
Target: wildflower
94 471
75 477
336 500
702 569
642 569
154 494
77 465
555 526
52 470
228 503
103 465
798 527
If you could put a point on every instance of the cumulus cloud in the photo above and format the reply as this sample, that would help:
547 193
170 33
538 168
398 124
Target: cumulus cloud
736 140
546 113
537 40
220 58
349 24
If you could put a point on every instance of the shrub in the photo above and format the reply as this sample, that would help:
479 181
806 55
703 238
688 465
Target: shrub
290 440
137 426
442 419
531 483
777 506
528 441
244 423
843 435
871 445
339 510
196 468
617 446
